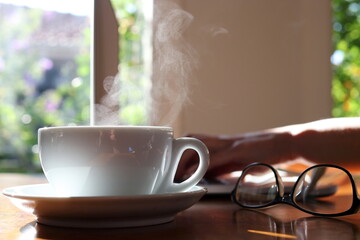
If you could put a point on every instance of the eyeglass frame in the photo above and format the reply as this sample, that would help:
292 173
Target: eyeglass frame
281 197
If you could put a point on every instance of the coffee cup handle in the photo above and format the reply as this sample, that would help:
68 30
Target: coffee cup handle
180 145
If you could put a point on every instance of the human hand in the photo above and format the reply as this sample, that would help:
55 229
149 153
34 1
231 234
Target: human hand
228 154
334 140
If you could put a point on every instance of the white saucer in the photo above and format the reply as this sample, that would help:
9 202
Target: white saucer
100 212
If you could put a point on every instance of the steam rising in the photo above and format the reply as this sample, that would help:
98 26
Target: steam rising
107 112
217 30
173 61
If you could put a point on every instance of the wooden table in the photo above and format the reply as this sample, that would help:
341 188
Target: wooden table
211 218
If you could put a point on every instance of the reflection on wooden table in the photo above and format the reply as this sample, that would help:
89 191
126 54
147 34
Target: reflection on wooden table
211 218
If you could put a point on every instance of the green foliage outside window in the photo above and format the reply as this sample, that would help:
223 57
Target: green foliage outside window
346 58
133 78
28 100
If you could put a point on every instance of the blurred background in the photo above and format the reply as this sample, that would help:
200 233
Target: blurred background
257 64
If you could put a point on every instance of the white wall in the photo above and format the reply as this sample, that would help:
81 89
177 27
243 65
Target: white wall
262 64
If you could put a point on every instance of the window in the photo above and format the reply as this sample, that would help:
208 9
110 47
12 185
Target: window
45 70
44 73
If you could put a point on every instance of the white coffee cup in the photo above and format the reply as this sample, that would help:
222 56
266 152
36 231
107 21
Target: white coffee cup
116 160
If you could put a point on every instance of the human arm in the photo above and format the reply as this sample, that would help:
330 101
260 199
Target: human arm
335 140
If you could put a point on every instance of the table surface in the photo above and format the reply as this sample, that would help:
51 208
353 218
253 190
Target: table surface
211 218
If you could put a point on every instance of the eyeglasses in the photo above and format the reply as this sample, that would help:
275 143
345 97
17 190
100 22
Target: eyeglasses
323 190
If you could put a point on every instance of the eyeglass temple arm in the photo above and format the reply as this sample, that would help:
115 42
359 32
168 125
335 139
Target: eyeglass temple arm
280 184
317 174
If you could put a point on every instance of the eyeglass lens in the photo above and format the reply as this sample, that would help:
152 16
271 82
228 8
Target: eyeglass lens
256 187
325 190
